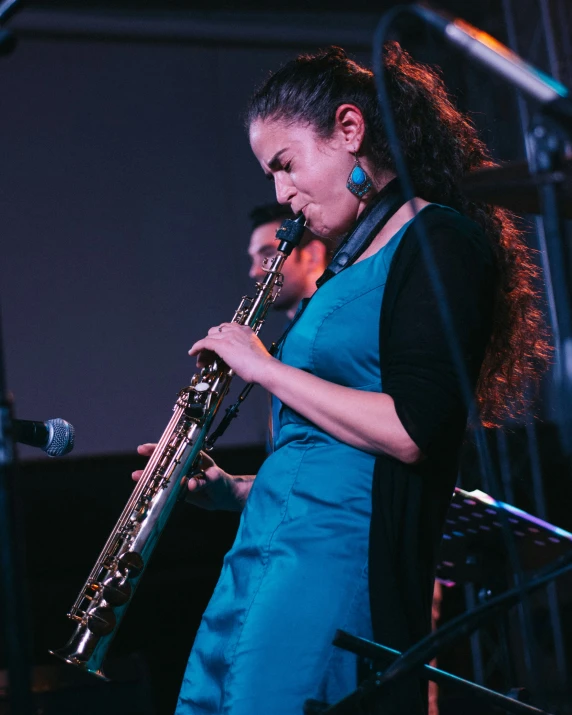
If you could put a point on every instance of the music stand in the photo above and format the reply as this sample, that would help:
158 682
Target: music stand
473 526
473 518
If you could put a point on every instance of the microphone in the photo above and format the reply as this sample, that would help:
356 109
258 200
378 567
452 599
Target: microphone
7 39
8 8
485 50
55 437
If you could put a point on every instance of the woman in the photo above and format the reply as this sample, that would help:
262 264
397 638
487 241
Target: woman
341 527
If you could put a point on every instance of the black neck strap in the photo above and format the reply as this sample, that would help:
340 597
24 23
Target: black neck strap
374 217
377 213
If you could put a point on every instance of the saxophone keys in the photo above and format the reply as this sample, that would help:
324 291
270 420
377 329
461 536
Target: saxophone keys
131 564
101 621
116 591
194 412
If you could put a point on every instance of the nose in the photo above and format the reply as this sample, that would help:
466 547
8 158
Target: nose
285 190
256 272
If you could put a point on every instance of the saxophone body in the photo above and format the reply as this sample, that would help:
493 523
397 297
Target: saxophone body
103 600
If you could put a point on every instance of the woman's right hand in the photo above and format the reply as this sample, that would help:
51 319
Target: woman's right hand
209 487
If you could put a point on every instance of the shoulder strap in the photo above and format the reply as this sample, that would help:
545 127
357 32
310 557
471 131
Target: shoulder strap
375 216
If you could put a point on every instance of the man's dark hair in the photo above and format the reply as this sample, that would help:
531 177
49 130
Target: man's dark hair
268 213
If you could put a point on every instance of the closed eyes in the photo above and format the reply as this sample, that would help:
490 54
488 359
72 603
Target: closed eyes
276 164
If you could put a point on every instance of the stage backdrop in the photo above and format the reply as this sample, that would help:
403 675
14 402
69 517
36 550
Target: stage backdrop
126 179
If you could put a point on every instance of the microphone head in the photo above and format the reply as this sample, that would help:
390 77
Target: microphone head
61 437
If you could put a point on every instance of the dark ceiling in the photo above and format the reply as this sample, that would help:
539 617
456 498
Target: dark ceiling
468 8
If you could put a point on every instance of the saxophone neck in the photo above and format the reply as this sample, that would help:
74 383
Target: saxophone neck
290 234
252 311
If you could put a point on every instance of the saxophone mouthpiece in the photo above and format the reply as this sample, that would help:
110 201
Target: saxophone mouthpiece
290 233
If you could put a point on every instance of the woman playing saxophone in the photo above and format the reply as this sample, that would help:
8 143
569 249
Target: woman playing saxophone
342 524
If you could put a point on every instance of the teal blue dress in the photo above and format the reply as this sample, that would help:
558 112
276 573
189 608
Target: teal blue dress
298 568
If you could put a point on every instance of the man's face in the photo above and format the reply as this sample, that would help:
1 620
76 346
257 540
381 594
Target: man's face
263 244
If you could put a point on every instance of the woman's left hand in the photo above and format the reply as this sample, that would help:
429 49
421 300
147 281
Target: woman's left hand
238 346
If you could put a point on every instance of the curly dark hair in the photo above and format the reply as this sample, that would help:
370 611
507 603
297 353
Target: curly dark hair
441 146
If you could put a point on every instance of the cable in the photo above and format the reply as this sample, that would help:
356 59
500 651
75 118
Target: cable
394 143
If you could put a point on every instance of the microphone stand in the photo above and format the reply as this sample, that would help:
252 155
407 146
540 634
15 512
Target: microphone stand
12 589
547 138
548 134
13 599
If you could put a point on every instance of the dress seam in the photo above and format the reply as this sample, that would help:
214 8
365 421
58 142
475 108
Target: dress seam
337 307
327 667
265 563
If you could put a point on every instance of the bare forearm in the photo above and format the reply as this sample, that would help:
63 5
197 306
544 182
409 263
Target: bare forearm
242 485
366 420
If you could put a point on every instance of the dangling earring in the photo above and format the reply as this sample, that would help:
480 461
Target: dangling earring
359 183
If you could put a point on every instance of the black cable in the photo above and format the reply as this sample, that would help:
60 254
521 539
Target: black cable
485 461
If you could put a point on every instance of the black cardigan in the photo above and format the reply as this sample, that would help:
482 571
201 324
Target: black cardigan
410 501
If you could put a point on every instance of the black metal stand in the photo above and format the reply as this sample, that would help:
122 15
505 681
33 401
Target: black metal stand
473 555
375 652
12 591
473 524
560 110
13 601
548 139
429 647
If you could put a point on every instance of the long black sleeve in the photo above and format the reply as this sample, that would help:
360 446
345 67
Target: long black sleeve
418 369
409 502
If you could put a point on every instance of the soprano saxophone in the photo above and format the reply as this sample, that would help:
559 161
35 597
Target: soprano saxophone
102 602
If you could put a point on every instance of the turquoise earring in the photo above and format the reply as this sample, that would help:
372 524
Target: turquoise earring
359 183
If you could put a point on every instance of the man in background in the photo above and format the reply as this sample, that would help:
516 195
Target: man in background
304 266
